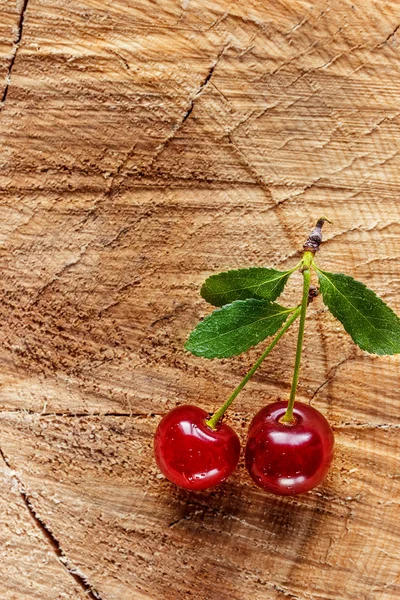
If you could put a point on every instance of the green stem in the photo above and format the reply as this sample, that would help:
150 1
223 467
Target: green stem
307 261
213 421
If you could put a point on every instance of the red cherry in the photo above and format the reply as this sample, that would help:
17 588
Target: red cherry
190 453
288 459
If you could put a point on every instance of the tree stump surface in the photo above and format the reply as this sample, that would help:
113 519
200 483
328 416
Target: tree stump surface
144 146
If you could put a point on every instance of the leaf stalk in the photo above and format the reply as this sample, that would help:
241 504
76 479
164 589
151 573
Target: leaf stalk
217 416
307 261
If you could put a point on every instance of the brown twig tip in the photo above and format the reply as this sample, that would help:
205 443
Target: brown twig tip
315 238
323 220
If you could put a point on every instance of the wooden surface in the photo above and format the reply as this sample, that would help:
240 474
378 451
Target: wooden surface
143 146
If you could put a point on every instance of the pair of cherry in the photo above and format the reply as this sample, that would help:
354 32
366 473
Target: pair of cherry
282 458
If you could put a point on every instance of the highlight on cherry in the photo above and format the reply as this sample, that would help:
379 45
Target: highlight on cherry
290 444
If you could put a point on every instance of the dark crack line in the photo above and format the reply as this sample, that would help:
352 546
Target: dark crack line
260 181
52 540
202 86
71 415
108 193
121 168
390 36
258 177
122 59
14 53
285 592
173 523
362 229
64 269
173 313
188 112
366 426
332 373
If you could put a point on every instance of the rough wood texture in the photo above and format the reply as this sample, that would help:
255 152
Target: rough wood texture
144 146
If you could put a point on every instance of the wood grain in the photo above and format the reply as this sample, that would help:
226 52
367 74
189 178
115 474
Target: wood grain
144 146
30 560
93 482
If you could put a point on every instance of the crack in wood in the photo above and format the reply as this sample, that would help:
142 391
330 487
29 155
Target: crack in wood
202 86
119 297
362 230
332 373
108 193
122 59
188 111
185 518
89 591
260 181
221 93
14 53
285 592
167 141
121 167
328 63
79 414
303 21
390 36
146 215
367 426
258 177
180 306
57 275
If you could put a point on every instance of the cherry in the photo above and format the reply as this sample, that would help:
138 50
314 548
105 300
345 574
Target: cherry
288 459
190 453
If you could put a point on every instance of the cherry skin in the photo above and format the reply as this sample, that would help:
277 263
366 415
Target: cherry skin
190 453
289 459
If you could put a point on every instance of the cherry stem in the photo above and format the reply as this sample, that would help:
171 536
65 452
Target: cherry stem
217 416
307 261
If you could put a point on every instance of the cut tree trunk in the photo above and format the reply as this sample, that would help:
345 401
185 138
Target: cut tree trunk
144 146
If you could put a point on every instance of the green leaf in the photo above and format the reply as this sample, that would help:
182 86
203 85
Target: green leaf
373 326
236 327
240 284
